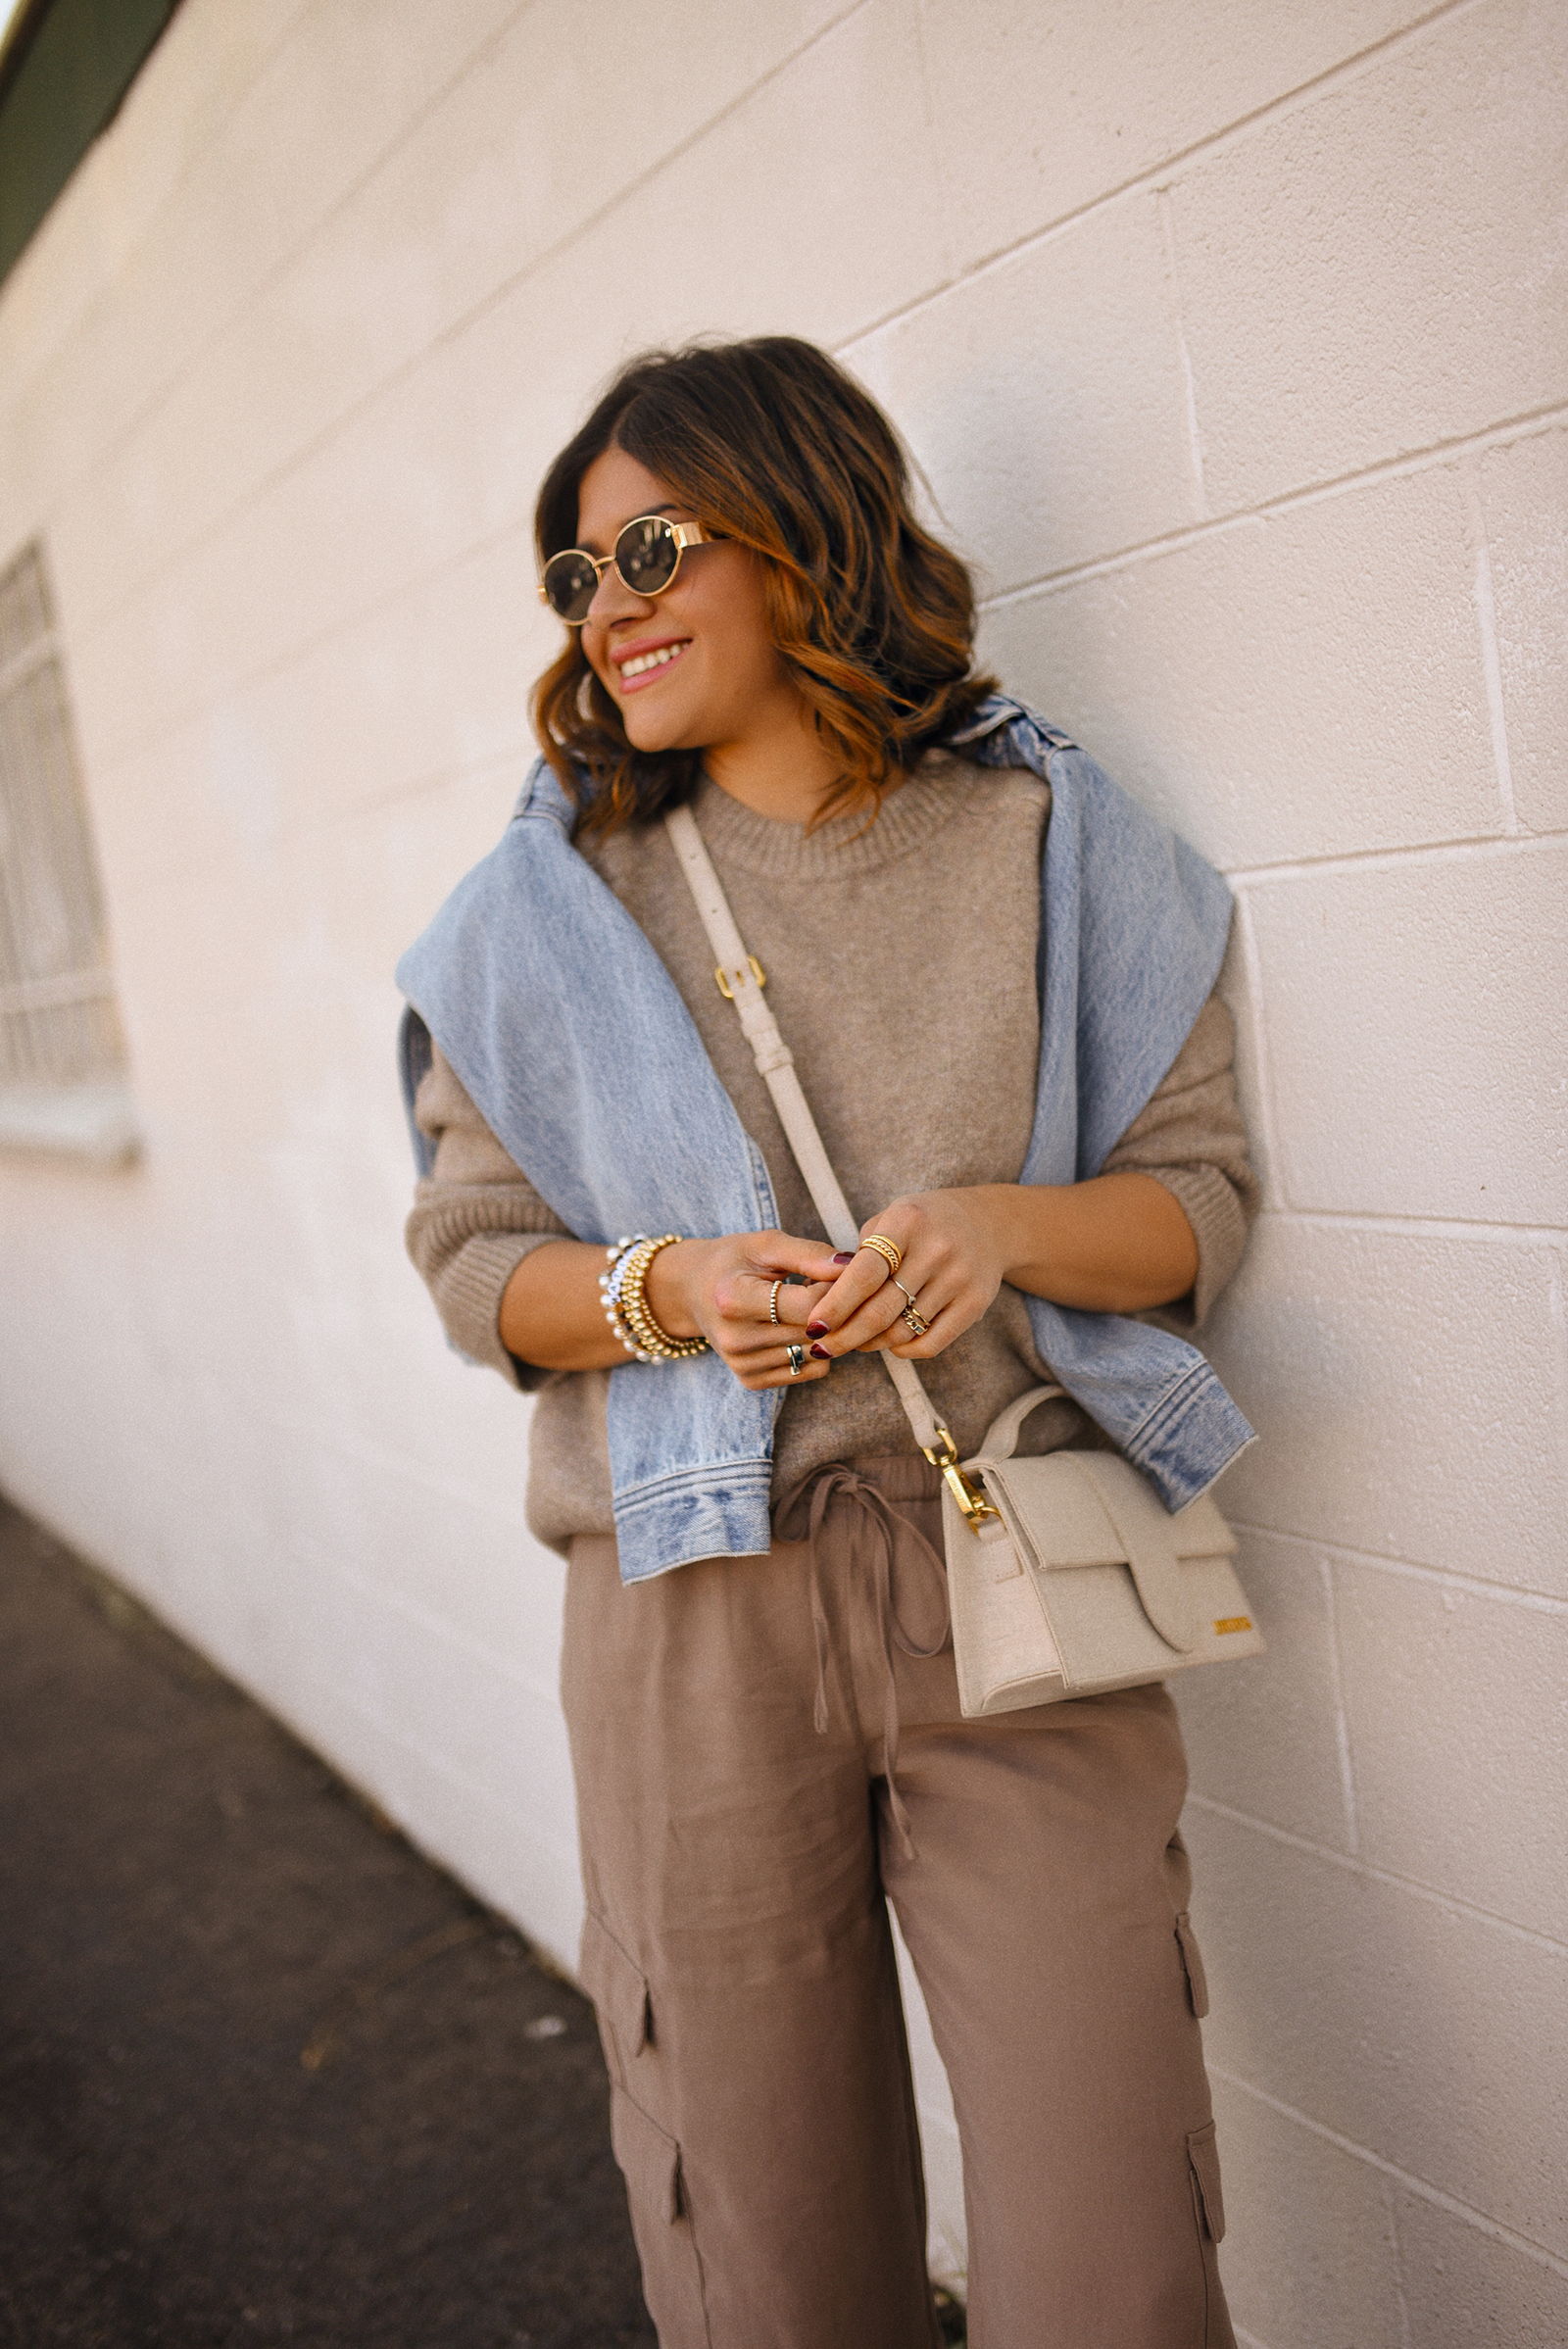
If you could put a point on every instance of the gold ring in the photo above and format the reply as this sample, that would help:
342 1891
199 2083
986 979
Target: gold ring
888 1249
797 1359
772 1305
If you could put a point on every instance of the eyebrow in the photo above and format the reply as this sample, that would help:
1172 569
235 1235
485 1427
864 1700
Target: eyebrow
671 505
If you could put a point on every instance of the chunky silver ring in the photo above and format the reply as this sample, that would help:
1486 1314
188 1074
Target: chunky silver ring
772 1305
796 1358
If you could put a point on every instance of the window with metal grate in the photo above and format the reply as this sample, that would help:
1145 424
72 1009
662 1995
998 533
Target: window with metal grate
63 1074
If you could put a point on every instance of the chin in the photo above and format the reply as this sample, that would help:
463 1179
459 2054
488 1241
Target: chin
651 732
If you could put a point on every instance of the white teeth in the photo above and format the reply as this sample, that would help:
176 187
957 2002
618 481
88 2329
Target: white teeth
655 660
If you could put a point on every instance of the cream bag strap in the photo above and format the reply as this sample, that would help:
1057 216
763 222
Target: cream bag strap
741 979
1001 1437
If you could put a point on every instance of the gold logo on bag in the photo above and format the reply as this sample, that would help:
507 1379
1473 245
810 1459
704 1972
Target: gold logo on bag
1235 1623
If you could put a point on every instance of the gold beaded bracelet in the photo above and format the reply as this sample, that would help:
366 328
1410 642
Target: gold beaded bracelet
625 1291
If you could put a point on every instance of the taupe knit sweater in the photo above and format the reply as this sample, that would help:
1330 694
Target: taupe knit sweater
900 968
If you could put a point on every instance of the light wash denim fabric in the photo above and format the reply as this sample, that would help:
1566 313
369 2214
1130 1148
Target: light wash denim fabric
573 1042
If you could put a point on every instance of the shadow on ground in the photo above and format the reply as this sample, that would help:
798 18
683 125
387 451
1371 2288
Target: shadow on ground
266 2076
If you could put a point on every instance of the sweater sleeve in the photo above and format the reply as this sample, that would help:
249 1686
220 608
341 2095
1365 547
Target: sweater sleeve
1190 1137
474 1218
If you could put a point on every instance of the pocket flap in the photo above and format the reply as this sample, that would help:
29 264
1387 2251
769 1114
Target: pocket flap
1192 1959
1203 2153
649 2160
617 1984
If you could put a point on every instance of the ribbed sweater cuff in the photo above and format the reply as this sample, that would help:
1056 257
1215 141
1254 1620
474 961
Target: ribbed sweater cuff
1210 1206
470 1289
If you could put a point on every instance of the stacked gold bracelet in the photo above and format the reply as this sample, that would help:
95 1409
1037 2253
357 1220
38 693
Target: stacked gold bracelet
626 1307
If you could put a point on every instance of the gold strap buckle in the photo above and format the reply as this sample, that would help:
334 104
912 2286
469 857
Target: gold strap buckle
964 1490
722 976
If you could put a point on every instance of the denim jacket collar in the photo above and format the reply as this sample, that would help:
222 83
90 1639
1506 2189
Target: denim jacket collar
573 1042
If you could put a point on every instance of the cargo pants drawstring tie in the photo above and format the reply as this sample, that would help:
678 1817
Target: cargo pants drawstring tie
889 1529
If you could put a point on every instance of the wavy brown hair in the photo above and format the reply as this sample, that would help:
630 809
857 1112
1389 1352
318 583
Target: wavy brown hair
770 443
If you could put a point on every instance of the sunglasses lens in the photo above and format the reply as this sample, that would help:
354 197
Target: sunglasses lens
646 555
570 583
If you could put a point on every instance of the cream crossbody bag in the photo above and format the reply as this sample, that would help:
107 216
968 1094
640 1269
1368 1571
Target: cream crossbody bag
1067 1575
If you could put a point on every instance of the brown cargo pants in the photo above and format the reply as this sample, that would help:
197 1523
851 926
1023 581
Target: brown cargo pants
736 1857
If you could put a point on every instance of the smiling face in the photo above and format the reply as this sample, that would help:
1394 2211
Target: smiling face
695 668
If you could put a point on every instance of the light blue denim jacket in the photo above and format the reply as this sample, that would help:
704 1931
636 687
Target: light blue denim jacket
574 1045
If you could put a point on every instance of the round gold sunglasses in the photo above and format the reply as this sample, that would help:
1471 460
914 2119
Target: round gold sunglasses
646 556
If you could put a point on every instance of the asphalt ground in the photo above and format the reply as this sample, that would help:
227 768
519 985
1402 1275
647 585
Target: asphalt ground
265 2074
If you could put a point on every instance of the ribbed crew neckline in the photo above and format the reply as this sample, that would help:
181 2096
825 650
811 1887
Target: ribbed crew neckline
935 794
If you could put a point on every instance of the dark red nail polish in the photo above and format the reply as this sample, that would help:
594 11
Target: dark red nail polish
817 1329
844 1257
821 1353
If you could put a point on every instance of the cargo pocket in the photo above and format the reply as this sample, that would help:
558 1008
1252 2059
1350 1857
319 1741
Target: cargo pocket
1209 2211
672 2273
1203 2151
618 1988
1196 1985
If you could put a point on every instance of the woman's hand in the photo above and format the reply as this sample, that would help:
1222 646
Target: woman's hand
722 1288
553 1309
1116 1245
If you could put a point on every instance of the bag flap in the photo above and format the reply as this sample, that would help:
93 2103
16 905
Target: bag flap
1075 1528
1077 1509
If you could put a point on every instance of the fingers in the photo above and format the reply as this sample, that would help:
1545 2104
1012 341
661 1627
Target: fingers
774 1252
776 1366
866 1326
796 1304
855 1284
868 1308
754 1310
861 1304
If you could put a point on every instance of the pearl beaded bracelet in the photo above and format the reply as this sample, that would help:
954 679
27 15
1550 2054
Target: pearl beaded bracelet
626 1310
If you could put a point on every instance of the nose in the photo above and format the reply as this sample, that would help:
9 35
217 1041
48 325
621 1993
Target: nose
615 600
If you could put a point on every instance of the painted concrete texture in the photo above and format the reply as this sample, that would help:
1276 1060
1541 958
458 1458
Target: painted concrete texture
1230 343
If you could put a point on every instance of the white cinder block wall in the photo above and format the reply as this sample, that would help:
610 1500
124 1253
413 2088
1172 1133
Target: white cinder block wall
1232 338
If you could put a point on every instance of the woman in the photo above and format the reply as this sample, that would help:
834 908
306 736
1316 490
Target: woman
757 1681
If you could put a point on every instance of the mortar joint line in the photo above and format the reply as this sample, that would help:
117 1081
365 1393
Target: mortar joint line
1168 170
217 128
1514 1595
1487 622
1390 2204
1253 965
453 330
1048 583
1424 1227
1342 1724
1418 2187
1195 438
292 252
1394 859
1525 425
1350 1865
1557 1311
